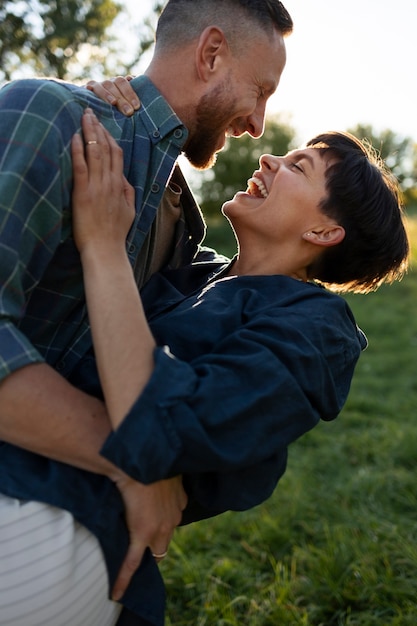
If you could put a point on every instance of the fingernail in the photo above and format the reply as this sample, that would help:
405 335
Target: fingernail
127 109
135 104
89 115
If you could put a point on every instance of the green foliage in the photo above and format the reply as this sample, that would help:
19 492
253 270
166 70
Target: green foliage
336 544
237 162
72 39
46 35
399 153
220 236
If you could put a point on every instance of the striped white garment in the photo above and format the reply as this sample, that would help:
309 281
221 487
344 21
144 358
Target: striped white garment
52 571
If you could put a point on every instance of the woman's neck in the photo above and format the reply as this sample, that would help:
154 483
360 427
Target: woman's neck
242 267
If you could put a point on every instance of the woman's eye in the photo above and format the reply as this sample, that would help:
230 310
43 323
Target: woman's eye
297 167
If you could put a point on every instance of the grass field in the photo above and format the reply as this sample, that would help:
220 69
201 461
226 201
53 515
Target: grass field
336 544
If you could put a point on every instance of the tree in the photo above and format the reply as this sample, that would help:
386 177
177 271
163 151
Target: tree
399 153
45 36
72 39
237 162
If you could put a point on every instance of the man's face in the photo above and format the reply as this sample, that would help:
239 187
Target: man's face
237 103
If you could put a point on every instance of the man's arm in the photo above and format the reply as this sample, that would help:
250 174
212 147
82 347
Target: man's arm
40 410
44 413
41 296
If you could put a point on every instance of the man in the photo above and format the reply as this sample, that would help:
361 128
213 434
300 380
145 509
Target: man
216 62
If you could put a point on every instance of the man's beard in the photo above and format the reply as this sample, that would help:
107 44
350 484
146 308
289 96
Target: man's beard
214 112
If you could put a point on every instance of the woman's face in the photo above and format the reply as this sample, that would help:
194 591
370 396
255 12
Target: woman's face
282 200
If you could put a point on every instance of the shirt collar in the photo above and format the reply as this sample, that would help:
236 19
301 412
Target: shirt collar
158 117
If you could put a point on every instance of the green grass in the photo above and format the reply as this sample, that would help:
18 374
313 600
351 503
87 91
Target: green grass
336 544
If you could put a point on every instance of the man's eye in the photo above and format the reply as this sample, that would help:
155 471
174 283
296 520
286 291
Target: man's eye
297 167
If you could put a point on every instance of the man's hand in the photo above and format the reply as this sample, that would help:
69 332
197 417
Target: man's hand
152 514
117 92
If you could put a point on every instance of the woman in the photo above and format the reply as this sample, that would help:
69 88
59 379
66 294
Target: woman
216 368
325 213
221 365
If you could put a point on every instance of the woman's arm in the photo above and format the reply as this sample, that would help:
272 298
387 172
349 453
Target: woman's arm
103 213
103 205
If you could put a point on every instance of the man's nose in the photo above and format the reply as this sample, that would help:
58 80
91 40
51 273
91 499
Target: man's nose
256 121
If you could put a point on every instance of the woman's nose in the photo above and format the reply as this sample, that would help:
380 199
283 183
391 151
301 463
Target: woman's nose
270 162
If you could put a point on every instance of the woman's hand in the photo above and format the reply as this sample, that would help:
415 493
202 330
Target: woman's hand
152 514
117 92
103 200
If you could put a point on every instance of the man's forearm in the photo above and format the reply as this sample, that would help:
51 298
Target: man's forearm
42 412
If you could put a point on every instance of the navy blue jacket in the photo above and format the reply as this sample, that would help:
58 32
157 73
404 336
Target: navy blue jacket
244 366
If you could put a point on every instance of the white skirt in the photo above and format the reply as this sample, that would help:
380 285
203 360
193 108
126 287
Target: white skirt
52 570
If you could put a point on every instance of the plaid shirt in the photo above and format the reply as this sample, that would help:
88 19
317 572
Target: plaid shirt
42 304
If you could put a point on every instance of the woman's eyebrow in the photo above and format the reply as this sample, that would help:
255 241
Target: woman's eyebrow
308 157
300 154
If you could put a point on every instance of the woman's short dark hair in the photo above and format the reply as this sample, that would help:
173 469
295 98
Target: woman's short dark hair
363 197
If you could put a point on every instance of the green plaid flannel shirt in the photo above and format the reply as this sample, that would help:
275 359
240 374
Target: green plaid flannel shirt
42 304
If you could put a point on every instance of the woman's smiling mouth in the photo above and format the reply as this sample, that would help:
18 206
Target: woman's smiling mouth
256 187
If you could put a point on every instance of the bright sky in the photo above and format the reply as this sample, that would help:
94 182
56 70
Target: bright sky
349 62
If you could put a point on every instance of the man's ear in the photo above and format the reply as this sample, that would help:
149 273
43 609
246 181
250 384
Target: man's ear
211 52
325 235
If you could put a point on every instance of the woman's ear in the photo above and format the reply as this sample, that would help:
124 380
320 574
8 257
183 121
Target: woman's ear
211 53
326 235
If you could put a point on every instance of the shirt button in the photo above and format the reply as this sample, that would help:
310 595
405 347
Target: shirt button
155 188
156 134
60 366
178 133
132 248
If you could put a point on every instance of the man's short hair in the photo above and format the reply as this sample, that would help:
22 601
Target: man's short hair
182 21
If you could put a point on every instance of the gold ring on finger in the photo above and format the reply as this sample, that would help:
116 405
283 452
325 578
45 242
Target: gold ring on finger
160 556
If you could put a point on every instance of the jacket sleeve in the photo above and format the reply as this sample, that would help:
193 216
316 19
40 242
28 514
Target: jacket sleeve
233 410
